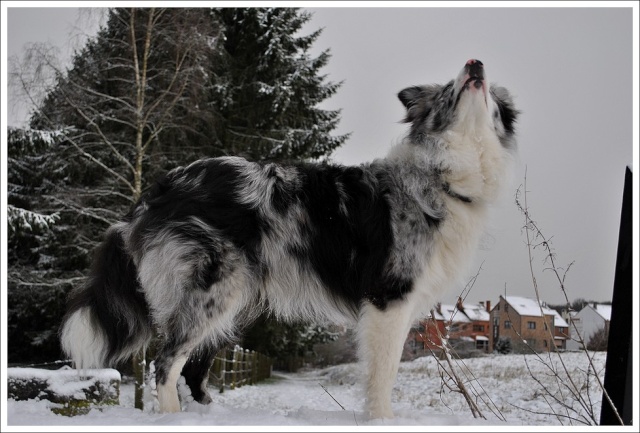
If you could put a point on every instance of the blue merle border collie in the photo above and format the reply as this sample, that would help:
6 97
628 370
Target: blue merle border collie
214 244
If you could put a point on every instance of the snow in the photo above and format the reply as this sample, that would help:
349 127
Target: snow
558 321
505 389
25 219
476 313
65 381
529 307
452 313
604 311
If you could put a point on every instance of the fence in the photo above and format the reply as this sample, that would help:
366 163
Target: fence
233 368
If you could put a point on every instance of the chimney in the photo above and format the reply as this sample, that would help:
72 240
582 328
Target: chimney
459 304
488 304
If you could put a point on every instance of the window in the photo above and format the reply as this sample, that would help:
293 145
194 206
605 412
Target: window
546 328
531 325
507 324
545 343
482 344
506 307
478 328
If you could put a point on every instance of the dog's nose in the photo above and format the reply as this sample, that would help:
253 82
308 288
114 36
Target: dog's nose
474 68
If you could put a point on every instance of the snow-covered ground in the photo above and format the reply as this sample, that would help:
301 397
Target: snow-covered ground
509 390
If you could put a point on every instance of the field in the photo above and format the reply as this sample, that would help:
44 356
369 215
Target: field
510 390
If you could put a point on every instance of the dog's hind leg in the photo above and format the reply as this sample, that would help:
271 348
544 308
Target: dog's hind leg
196 371
381 334
169 363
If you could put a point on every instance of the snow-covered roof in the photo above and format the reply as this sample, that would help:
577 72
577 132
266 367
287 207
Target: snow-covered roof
558 321
604 311
481 338
530 307
437 315
476 312
450 312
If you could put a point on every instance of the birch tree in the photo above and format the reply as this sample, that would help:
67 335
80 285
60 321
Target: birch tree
127 108
141 79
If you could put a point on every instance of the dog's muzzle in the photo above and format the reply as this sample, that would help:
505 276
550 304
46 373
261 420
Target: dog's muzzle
475 71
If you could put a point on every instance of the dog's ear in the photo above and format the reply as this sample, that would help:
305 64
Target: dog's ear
507 110
411 98
410 95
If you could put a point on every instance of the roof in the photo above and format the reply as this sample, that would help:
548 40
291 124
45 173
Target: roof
558 321
437 315
476 312
530 307
604 311
450 311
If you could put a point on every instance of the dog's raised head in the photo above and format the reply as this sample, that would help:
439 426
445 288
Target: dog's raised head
466 104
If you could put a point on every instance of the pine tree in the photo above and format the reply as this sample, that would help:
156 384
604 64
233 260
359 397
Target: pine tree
153 89
266 90
267 87
125 111
36 291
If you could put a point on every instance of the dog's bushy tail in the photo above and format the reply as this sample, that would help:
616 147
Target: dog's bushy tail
107 319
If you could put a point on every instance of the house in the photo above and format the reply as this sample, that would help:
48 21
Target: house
562 333
425 336
587 322
475 327
467 324
527 325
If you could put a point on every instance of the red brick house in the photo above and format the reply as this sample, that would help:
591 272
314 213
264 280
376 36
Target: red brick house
424 335
468 323
476 327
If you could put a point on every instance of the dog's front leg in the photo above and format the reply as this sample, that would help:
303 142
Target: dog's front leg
381 336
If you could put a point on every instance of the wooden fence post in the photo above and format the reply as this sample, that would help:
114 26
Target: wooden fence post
235 368
254 367
234 356
223 372
139 372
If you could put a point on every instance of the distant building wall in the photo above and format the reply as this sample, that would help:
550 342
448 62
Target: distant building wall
587 322
525 332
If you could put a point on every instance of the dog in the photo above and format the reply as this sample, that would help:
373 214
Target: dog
214 244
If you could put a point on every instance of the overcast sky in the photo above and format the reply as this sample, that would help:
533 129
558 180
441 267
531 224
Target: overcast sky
570 71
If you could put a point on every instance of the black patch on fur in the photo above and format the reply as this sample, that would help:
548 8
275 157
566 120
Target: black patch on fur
508 116
429 109
197 369
410 96
282 194
350 251
215 201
